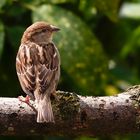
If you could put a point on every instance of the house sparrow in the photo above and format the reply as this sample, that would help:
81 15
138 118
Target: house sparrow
38 67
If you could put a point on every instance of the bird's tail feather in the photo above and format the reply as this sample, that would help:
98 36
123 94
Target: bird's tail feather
45 113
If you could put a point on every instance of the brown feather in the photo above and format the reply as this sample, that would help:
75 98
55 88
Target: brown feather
42 65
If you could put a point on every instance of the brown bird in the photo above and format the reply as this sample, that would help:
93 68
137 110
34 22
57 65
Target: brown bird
38 67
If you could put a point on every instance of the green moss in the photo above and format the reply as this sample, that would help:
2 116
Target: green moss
67 105
135 95
134 91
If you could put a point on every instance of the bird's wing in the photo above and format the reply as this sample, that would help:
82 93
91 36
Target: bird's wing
48 68
26 69
38 67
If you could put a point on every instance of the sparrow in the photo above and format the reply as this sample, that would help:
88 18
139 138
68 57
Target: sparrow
38 67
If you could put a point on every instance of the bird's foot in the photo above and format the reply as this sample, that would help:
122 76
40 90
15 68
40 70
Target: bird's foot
27 101
24 99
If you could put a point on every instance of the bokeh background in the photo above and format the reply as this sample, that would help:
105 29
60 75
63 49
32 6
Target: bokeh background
99 44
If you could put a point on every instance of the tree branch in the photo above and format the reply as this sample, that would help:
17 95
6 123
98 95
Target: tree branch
75 115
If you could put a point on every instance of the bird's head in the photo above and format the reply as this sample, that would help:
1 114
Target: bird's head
39 32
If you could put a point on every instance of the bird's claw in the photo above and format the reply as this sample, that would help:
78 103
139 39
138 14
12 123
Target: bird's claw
27 101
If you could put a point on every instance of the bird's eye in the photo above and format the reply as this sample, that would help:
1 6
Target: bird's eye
44 30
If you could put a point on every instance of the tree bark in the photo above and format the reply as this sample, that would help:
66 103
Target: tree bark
75 115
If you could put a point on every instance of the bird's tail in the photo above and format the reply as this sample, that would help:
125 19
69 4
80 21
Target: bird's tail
45 113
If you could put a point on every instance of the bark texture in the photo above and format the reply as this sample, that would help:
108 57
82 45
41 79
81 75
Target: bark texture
75 115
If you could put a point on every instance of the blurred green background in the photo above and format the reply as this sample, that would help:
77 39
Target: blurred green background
99 44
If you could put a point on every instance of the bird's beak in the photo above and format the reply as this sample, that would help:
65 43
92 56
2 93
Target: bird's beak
54 28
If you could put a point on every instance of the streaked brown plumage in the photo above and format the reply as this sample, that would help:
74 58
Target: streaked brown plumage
38 67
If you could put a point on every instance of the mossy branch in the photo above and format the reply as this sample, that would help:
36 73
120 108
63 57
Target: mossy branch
75 115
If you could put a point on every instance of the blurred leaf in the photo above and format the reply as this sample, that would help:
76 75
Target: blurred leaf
130 10
81 54
14 35
1 38
33 4
132 45
87 9
2 3
111 90
110 9
122 77
60 1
